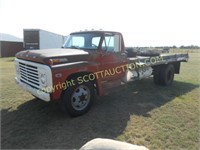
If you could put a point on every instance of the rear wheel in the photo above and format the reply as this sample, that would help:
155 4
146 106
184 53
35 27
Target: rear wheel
78 99
164 75
167 75
156 76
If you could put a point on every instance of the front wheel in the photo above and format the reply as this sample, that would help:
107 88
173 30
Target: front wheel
78 99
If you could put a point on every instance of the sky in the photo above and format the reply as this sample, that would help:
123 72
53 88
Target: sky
142 22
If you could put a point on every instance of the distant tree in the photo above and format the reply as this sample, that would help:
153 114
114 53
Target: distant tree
190 47
182 47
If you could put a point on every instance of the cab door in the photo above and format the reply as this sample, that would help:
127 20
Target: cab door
112 57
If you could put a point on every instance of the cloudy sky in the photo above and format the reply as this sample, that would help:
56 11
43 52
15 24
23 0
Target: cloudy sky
142 22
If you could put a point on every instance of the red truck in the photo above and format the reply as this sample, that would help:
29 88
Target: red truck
90 63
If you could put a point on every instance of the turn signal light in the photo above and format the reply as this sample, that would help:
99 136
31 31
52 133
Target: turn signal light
57 61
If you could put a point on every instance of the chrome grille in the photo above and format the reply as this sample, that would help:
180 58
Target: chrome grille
29 74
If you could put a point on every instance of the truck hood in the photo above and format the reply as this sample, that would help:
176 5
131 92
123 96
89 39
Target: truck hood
45 55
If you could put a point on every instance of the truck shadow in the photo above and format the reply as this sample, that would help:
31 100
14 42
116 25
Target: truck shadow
36 124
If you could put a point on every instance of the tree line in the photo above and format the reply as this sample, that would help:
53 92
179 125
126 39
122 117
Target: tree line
181 47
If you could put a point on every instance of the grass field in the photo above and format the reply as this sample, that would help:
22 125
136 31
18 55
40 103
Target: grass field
142 113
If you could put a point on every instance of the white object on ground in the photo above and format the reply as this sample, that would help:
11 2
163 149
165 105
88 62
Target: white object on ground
109 144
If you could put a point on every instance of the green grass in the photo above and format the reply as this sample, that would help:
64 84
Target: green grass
141 113
178 50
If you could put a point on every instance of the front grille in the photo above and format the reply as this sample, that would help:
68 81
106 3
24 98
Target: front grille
29 74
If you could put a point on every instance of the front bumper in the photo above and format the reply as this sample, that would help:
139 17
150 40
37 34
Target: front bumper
37 93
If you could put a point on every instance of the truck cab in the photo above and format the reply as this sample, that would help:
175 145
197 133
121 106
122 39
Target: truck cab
106 49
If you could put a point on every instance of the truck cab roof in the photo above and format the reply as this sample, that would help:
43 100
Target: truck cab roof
95 31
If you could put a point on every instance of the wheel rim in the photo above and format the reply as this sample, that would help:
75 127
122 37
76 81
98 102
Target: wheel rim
80 97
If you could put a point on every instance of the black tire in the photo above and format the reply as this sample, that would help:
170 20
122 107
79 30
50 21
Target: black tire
78 99
156 76
167 75
164 75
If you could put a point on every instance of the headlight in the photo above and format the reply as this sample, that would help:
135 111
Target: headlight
43 78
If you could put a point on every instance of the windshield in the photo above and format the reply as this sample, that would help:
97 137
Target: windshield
88 41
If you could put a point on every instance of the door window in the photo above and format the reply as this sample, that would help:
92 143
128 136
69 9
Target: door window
112 43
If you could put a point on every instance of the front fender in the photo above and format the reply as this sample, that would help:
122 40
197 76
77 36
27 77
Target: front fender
61 72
